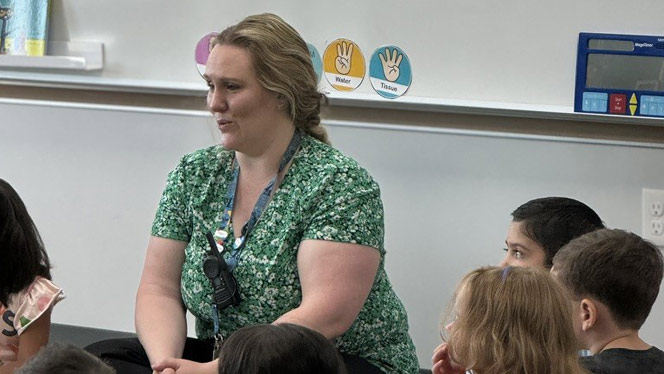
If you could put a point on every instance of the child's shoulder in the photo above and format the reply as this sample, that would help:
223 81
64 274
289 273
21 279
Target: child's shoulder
621 360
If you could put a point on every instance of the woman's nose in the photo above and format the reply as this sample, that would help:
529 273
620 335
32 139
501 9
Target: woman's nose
216 101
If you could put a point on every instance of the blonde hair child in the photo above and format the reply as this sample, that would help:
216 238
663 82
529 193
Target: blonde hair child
509 320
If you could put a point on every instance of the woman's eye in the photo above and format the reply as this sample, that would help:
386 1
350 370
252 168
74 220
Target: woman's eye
210 86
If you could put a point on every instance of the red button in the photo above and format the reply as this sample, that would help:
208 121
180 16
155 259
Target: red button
617 103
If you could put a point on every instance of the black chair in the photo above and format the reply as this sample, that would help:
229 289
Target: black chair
83 336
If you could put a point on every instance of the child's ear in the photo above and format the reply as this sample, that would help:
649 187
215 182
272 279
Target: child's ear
588 311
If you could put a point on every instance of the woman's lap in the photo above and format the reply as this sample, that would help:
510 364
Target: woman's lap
127 356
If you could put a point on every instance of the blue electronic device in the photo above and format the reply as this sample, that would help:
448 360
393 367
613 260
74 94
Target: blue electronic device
620 75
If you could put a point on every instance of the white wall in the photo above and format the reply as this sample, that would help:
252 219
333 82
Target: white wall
517 51
91 179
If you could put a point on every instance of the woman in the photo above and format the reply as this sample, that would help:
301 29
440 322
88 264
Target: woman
312 256
509 320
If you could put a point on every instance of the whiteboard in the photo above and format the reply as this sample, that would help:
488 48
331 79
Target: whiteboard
514 51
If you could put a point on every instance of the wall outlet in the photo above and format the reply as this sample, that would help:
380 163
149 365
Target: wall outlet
656 227
656 208
652 208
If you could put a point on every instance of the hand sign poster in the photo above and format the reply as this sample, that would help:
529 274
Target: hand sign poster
316 60
344 65
202 51
389 72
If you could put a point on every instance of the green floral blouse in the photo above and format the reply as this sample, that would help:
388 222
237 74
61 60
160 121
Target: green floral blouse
325 196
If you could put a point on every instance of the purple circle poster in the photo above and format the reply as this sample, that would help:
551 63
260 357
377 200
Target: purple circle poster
202 52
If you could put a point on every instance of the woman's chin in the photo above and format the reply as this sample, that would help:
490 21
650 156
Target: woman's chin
227 142
228 139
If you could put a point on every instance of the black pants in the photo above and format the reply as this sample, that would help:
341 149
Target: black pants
127 356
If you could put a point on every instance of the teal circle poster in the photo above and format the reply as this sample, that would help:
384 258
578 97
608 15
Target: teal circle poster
390 71
316 60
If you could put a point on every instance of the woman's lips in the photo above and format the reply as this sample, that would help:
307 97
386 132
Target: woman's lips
223 124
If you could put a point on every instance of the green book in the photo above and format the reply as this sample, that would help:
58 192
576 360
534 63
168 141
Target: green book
24 27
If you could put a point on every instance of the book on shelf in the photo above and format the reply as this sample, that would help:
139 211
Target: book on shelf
24 27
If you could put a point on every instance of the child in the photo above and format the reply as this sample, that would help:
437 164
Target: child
26 292
64 358
614 278
541 226
509 320
279 348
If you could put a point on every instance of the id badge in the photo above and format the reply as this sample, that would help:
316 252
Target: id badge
218 339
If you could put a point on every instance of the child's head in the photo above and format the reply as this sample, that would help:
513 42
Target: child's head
616 268
21 248
64 359
512 320
542 226
279 348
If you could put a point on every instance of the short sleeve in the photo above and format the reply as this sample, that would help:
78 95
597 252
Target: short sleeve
39 297
172 220
348 210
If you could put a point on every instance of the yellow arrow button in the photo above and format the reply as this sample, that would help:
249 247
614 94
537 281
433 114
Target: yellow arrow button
632 100
632 108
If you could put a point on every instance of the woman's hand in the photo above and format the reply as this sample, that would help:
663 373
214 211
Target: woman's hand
182 366
443 363
165 371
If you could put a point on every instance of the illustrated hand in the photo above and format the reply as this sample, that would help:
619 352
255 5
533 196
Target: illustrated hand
390 64
442 363
181 366
342 62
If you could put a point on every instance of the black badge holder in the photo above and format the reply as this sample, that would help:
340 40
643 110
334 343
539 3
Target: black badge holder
225 286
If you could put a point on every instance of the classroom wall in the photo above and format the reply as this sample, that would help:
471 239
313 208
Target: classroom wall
92 176
515 51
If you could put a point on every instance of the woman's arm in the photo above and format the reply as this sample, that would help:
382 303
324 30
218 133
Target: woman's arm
160 314
336 279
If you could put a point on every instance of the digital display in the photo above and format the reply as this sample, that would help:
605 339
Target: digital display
625 72
611 45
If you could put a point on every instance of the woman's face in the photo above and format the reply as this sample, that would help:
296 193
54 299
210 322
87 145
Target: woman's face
248 115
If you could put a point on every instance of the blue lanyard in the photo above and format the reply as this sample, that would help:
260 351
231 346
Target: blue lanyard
221 236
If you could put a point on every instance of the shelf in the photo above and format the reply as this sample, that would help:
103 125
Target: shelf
472 107
85 56
335 99
69 80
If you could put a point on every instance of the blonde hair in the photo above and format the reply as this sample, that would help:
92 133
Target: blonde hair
282 65
513 320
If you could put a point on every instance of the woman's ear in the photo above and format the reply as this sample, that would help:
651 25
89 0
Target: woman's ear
588 310
281 101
